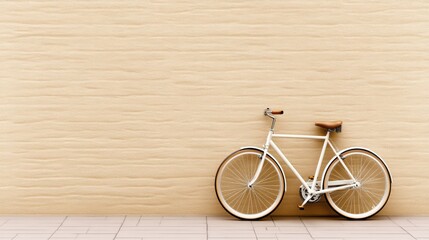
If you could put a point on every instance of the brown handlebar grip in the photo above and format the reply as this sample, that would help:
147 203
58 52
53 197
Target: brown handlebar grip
277 112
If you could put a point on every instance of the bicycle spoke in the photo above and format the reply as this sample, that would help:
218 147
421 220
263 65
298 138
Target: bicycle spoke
370 196
369 173
232 185
238 198
234 170
263 200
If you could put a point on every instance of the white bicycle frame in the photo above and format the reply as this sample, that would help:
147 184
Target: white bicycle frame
332 185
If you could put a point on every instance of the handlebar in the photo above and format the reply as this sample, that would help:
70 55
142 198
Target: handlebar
277 112
268 111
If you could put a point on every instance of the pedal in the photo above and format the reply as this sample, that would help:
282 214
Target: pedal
301 207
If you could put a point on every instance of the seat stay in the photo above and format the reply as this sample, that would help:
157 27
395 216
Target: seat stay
341 161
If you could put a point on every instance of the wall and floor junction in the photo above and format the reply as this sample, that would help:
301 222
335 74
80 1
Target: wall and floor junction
112 107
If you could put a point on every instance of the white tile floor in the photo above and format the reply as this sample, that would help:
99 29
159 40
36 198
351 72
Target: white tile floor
189 228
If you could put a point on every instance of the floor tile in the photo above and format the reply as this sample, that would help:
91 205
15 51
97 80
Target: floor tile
383 237
319 232
266 222
65 229
176 237
33 236
93 221
162 235
131 221
65 235
33 220
232 238
111 229
227 221
151 231
247 234
281 229
288 236
419 221
96 236
7 235
27 229
288 222
339 221
128 238
418 232
185 221
204 228
149 222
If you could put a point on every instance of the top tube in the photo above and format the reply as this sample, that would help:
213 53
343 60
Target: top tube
300 136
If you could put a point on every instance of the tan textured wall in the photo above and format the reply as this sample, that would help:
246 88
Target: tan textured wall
130 106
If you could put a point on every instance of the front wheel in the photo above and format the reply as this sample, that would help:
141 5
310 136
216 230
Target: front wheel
233 190
374 188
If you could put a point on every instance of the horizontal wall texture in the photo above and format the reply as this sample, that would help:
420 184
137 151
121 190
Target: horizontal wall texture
129 107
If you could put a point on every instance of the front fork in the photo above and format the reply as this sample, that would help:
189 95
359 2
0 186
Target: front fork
262 160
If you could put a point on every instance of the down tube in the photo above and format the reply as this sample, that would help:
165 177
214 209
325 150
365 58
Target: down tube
289 164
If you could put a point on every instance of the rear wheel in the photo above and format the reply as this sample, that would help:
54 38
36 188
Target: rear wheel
233 190
374 187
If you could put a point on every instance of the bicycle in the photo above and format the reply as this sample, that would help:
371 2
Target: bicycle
250 182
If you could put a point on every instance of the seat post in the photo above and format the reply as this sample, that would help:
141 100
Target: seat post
337 129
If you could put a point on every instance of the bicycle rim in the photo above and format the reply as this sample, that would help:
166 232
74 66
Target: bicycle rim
237 197
375 185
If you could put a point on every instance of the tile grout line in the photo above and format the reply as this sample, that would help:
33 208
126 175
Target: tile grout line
4 223
402 227
58 227
254 231
125 217
407 232
275 225
138 223
303 223
16 235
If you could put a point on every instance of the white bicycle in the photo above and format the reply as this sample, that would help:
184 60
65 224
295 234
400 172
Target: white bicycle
250 182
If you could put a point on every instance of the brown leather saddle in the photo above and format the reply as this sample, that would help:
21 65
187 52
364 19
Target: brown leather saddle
330 125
